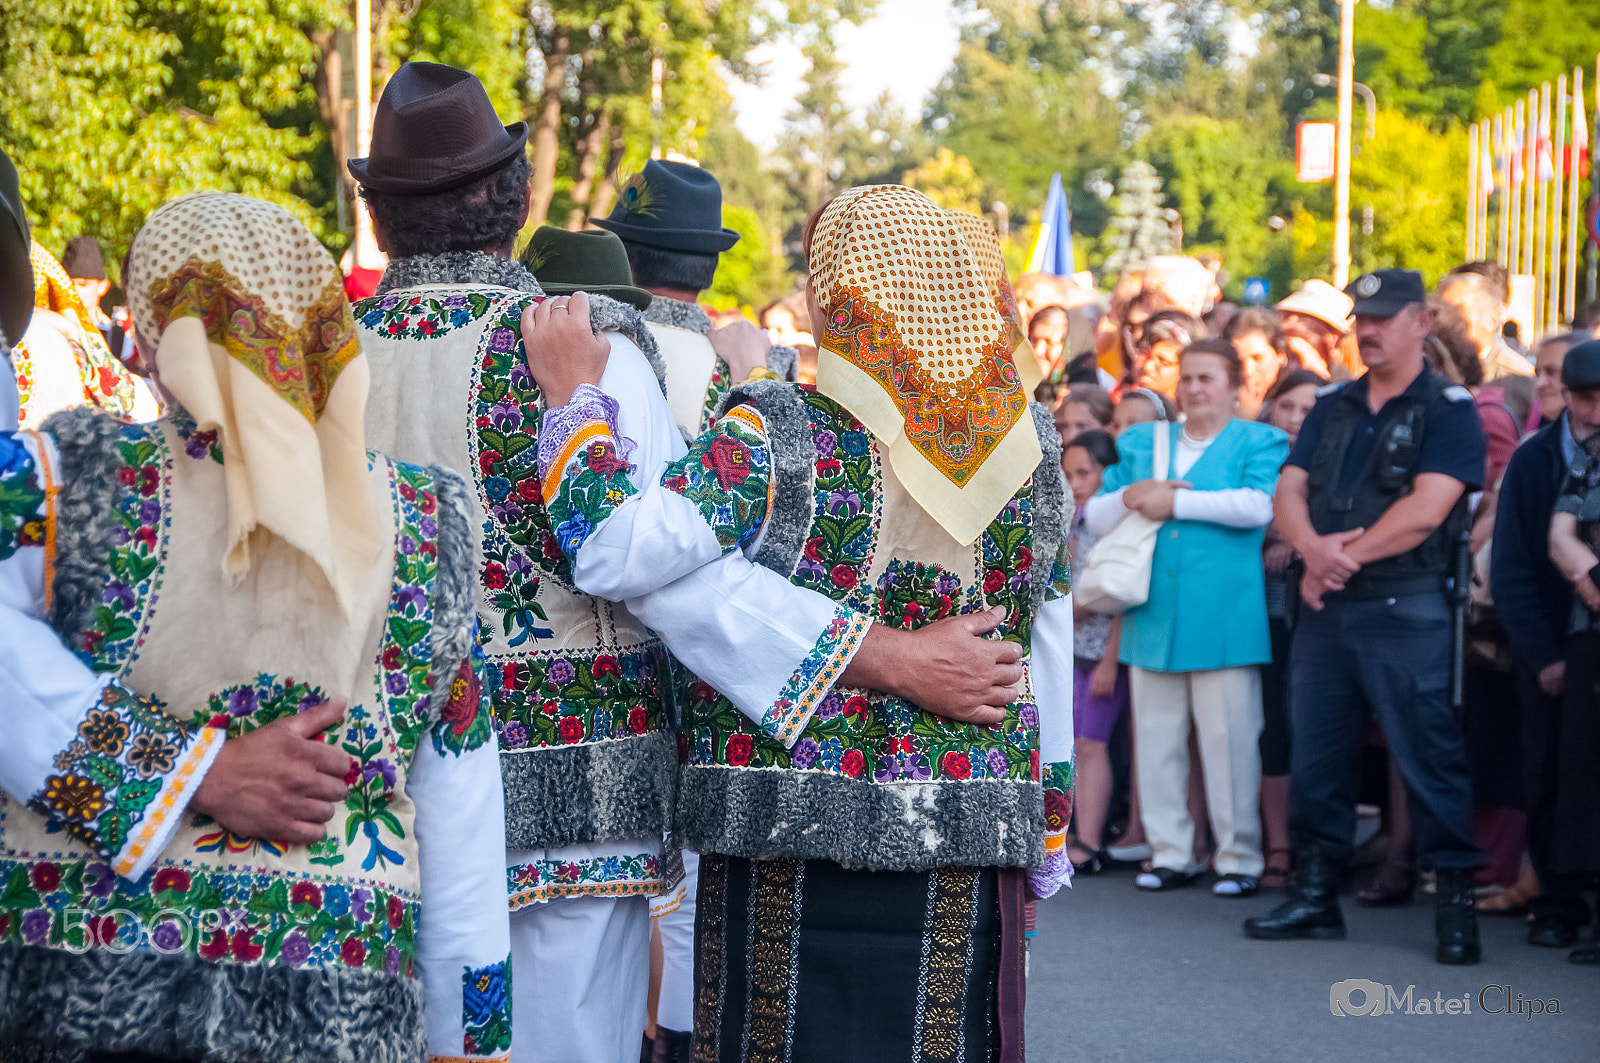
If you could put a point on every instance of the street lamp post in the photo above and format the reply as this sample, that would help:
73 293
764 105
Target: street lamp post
1341 173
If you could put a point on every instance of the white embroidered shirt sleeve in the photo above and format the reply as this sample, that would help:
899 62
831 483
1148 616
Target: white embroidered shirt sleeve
106 764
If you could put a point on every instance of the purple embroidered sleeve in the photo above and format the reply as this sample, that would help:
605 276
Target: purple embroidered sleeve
559 425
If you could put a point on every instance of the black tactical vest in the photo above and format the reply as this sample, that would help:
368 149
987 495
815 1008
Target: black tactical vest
1387 478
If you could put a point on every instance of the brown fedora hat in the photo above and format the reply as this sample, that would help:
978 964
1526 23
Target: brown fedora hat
435 130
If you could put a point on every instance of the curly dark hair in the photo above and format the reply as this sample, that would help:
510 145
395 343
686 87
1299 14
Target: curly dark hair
482 216
657 267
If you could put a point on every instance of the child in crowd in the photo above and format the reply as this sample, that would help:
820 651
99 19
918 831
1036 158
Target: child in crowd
1100 683
1137 406
1084 408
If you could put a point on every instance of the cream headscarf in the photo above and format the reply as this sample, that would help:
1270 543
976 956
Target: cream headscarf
254 337
917 346
991 260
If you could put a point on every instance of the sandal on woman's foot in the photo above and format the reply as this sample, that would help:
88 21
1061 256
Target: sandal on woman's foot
1091 864
1275 876
1234 884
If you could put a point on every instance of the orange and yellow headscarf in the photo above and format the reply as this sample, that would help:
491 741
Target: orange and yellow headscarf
918 345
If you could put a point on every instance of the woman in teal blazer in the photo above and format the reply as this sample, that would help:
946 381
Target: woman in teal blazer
1194 647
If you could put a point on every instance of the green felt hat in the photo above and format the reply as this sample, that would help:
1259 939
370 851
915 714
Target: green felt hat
594 261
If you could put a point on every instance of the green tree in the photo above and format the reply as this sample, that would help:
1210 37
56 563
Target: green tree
114 106
1138 230
949 180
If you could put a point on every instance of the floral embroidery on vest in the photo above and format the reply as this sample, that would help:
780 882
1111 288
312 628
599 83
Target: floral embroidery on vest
517 536
138 550
467 719
222 916
197 444
486 1008
21 498
421 317
880 738
721 381
543 880
845 525
574 699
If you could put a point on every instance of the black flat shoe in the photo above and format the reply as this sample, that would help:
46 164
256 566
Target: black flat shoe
1550 932
1234 884
1588 956
1164 878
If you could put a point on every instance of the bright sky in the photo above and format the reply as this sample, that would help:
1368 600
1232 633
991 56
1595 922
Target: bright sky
906 49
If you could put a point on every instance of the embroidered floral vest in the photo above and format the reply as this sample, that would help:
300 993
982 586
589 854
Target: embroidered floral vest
874 782
577 683
140 595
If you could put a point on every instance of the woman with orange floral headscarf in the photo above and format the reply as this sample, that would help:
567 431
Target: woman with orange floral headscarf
246 749
877 849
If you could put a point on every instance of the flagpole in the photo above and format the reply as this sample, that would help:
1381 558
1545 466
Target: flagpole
1593 132
1552 287
1472 193
1502 131
1547 261
1485 187
1519 177
1530 188
1575 169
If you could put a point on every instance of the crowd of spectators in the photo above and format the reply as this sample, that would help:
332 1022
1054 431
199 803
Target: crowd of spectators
1184 733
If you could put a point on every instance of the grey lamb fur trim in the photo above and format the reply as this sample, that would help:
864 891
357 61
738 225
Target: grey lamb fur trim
475 267
794 458
457 267
770 813
87 440
1049 502
604 791
173 1007
608 313
675 313
455 585
783 361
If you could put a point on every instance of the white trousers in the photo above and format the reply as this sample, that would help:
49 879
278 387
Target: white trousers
580 969
1225 707
675 1006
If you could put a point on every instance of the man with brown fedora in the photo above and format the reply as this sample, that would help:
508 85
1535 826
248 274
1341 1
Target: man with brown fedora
588 761
669 217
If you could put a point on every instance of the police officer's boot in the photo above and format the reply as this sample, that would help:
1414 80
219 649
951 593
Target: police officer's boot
1312 910
1455 921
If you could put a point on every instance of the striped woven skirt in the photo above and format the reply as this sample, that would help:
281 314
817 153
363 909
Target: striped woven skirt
809 962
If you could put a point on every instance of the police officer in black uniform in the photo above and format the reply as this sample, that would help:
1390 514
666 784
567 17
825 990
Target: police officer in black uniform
1374 497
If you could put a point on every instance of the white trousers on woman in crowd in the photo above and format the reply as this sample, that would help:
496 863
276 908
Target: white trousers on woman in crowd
1225 707
580 970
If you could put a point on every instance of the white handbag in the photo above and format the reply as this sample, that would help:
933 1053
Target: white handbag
1116 574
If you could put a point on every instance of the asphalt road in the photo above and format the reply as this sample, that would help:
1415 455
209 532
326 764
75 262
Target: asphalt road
1120 974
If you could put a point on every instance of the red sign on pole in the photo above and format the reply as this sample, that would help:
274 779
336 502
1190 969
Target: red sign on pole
1315 148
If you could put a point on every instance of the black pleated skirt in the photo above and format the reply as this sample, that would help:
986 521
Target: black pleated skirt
809 962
